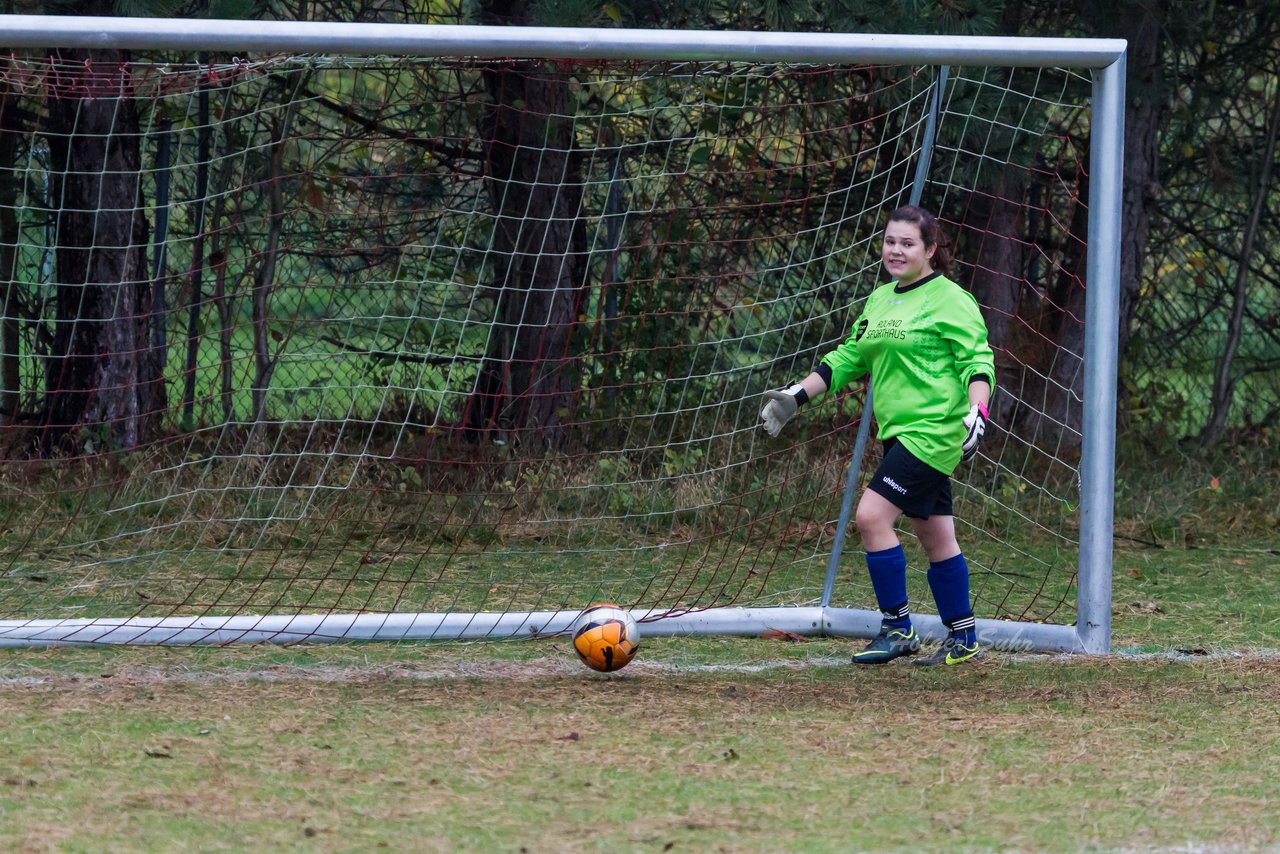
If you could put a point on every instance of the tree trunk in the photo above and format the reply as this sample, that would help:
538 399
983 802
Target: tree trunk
10 393
195 275
154 396
224 305
1063 424
528 381
1144 89
996 282
264 281
96 373
1224 382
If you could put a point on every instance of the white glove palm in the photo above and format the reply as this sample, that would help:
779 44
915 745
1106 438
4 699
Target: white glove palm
778 408
975 425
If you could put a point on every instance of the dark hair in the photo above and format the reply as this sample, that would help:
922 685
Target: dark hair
930 233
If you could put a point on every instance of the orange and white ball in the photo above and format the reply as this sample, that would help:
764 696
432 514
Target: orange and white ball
606 638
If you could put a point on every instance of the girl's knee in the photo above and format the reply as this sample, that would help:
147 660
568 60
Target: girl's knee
938 543
871 522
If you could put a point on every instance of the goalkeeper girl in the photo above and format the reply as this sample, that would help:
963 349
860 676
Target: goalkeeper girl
924 343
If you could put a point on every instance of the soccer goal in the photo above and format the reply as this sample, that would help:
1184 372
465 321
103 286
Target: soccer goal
321 332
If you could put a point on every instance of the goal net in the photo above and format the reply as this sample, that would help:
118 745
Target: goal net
305 346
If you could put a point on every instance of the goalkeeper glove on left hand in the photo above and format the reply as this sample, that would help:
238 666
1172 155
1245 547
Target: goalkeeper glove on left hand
780 405
975 423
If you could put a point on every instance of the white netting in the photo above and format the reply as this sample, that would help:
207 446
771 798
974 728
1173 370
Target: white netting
490 336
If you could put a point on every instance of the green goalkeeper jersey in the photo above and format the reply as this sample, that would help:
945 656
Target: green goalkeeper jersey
922 345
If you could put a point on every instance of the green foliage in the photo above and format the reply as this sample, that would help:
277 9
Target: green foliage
233 9
145 8
572 13
1177 496
951 17
1213 145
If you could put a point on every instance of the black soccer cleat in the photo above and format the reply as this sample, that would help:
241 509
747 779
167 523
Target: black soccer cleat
891 643
952 651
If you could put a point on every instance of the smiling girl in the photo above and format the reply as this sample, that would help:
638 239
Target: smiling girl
923 341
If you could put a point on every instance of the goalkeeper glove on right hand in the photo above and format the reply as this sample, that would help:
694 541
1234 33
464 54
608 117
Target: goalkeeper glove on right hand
780 405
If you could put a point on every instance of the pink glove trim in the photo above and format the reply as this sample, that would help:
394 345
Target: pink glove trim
982 410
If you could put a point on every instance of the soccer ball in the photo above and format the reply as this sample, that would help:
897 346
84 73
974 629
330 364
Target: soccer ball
606 638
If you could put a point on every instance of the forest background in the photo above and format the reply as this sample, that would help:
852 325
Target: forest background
1200 302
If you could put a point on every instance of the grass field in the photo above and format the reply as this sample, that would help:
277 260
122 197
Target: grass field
700 745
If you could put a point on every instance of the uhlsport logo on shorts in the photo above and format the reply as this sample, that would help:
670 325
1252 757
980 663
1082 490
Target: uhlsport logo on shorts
893 484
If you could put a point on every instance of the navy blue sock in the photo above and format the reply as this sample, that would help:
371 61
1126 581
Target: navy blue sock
888 569
949 581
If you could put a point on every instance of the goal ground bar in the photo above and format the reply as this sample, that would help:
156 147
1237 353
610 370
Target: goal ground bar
333 628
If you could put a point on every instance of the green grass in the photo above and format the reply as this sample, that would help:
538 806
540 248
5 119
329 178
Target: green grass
1206 599
447 750
701 744
704 744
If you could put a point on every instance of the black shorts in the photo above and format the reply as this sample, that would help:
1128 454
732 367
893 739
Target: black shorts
917 489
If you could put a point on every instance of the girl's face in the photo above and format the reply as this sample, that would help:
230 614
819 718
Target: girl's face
904 253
